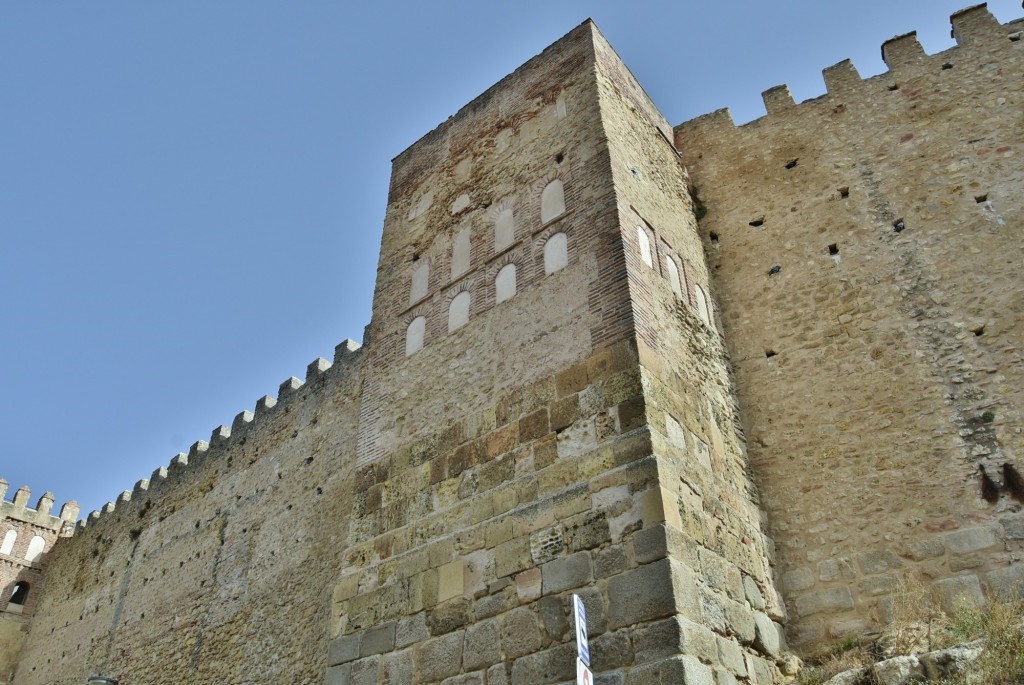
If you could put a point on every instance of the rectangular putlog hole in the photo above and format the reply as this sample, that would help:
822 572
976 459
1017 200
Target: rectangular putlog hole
981 198
833 249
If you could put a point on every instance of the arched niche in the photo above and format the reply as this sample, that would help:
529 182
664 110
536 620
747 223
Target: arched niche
505 283
420 279
556 253
552 201
703 308
8 544
414 335
458 311
35 549
460 253
504 229
644 241
673 277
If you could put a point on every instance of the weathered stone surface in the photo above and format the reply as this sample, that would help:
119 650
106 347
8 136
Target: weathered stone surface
549 666
960 591
731 656
440 657
397 668
343 649
832 599
753 593
671 636
684 670
971 539
611 650
339 675
411 629
768 638
641 595
900 670
520 633
483 645
950 664
1006 583
570 572
854 677
378 639
365 671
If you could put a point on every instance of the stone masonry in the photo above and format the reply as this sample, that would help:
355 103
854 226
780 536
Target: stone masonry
725 383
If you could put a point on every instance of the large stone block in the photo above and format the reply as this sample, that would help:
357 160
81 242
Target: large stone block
440 657
652 591
520 634
678 670
483 645
569 572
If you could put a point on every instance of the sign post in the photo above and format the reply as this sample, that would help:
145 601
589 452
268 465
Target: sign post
583 673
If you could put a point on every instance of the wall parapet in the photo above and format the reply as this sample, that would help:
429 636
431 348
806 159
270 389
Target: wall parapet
973 29
223 438
19 510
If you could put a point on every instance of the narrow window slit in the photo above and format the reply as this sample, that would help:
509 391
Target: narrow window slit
774 270
757 223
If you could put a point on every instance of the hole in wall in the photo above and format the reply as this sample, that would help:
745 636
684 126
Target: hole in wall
978 330
770 353
792 163
844 192
894 87
981 198
898 225
416 257
559 158
1014 37
774 270
947 66
833 249
714 238
757 223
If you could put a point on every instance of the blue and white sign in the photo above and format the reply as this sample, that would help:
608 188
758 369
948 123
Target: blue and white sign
582 646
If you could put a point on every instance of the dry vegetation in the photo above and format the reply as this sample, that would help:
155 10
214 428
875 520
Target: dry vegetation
919 626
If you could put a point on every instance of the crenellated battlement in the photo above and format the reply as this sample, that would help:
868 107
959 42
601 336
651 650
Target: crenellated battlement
976 31
17 508
224 438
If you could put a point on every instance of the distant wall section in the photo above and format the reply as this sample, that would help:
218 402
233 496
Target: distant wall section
865 249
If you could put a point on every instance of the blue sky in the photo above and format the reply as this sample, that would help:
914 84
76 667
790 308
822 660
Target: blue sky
192 193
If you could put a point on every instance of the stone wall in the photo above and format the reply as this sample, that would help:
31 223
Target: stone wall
26 537
219 567
865 251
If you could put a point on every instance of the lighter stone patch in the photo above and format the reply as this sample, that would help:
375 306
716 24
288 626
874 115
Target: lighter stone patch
460 253
461 202
414 335
505 283
645 246
556 253
504 229
421 207
35 549
9 540
560 111
420 279
458 311
552 201
673 277
702 305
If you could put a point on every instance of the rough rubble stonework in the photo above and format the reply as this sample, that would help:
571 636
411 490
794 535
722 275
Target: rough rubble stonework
585 374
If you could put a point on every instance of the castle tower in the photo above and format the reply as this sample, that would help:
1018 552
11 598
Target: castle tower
546 406
26 535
